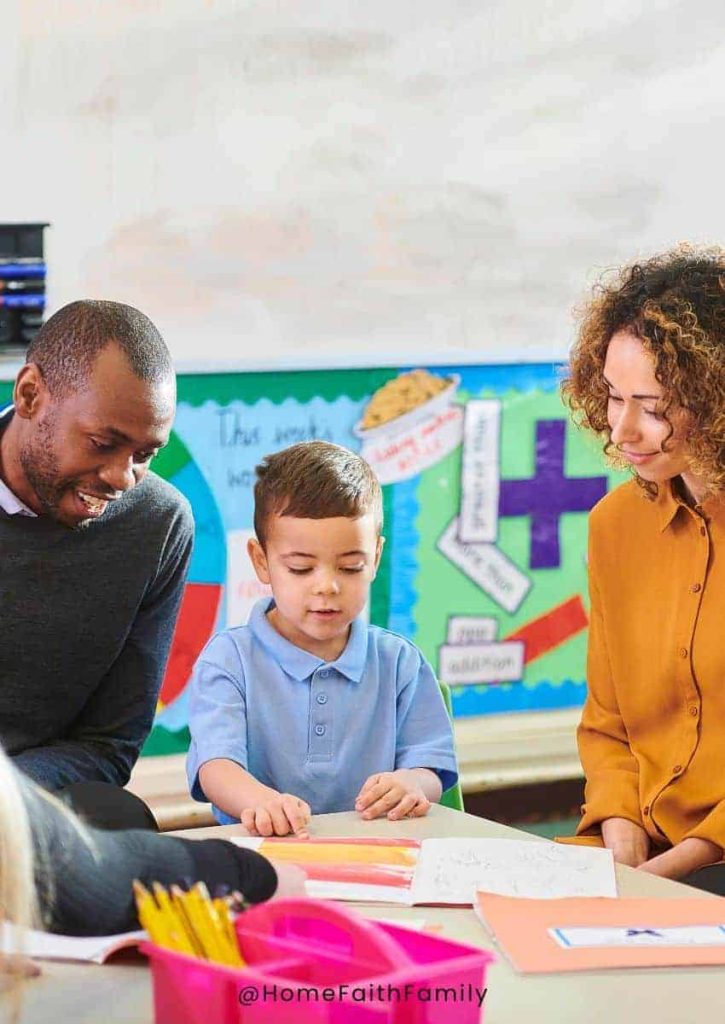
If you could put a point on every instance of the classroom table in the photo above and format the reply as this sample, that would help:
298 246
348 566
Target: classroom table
89 994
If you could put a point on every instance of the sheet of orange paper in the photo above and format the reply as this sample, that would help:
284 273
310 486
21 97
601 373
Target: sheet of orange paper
551 936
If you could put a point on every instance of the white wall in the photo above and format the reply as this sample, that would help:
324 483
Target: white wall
279 181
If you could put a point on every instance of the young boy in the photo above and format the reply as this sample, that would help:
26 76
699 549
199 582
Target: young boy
307 709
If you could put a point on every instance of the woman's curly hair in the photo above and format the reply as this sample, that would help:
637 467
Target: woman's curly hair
675 303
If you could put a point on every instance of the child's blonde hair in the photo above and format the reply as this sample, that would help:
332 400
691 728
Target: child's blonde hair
18 899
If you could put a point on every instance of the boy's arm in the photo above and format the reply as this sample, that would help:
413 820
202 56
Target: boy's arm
425 760
261 809
424 739
217 759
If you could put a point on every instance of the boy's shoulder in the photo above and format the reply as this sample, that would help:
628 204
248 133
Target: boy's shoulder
389 644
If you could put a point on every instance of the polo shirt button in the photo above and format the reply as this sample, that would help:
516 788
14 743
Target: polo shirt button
677 769
324 673
322 698
319 730
695 588
683 652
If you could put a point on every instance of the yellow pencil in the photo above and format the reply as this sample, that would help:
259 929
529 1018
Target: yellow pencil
174 922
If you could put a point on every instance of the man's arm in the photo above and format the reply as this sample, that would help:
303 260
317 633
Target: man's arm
106 738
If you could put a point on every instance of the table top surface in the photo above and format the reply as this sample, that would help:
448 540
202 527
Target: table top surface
89 994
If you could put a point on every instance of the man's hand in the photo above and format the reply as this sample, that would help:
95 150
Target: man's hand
628 842
398 794
683 859
278 815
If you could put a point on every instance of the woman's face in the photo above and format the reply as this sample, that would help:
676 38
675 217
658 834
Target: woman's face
635 412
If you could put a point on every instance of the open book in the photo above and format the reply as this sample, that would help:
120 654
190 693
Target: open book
44 946
441 871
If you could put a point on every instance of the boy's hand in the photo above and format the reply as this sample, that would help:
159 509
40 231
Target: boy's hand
278 815
397 794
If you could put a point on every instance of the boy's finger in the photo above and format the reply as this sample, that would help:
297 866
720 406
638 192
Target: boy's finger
263 822
280 822
421 808
298 816
367 784
383 805
375 792
248 821
403 808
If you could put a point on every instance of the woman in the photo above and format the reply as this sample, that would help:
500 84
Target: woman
647 375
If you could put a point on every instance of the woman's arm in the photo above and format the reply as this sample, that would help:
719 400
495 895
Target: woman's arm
84 876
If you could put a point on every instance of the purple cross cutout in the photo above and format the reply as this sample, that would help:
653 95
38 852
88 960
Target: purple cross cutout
548 494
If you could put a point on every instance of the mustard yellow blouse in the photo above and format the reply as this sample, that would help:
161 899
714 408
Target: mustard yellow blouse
652 734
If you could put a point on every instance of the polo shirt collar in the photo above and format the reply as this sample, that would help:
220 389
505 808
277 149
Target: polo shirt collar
301 664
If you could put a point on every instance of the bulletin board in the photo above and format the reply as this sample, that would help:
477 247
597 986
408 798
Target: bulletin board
486 485
486 488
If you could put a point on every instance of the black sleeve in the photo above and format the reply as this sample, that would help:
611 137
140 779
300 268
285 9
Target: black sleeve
84 876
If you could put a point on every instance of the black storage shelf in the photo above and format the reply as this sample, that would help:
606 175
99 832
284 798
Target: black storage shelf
22 284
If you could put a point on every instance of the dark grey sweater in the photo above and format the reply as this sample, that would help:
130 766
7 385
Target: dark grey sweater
86 621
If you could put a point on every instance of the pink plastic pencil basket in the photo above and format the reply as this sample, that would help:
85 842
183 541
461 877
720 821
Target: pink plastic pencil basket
301 953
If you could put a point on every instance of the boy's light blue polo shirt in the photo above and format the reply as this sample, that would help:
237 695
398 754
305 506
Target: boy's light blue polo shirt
314 728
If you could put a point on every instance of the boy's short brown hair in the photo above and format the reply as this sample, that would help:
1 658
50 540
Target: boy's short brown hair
315 480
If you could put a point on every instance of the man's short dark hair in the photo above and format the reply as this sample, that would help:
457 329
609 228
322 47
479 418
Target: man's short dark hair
67 345
315 480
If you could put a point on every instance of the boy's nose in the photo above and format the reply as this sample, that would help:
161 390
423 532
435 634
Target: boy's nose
328 584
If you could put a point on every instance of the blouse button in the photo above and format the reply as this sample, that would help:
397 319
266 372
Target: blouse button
695 588
645 810
677 769
693 710
683 652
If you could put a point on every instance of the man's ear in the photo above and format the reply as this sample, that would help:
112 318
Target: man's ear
258 559
30 391
378 554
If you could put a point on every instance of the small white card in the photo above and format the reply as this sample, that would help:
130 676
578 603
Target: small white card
686 935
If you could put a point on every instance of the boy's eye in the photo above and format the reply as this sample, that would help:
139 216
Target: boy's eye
300 572
144 456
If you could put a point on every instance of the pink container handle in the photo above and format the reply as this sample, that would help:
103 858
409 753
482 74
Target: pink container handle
369 942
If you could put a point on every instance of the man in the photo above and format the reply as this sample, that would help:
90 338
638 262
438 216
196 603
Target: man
94 549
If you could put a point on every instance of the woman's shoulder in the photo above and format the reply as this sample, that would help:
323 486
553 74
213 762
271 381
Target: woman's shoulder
627 502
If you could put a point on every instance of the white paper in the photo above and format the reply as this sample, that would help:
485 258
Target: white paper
247 842
452 870
44 946
471 629
644 935
478 522
488 567
460 665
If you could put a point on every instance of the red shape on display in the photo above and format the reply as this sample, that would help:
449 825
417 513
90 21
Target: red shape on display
194 626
